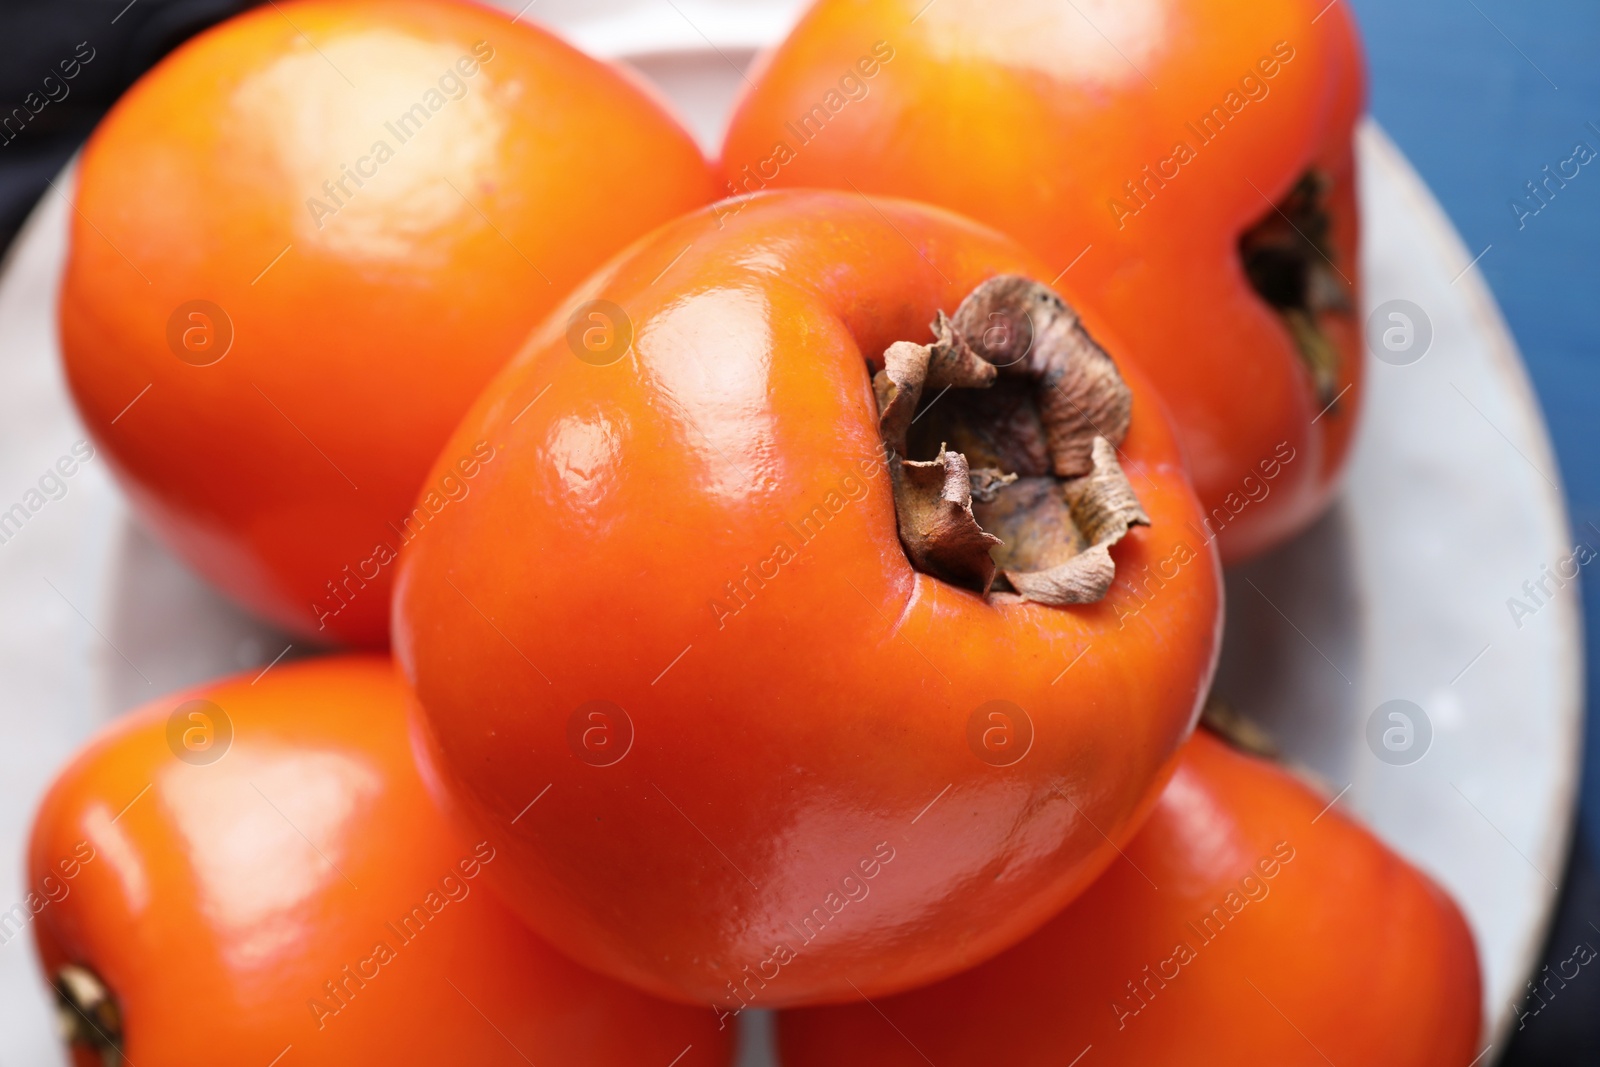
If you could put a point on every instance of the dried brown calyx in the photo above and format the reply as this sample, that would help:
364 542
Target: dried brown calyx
1244 734
1002 440
1291 262
87 1013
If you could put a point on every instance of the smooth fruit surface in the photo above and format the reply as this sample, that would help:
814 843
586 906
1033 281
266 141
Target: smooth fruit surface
1249 922
255 870
675 617
305 241
1151 152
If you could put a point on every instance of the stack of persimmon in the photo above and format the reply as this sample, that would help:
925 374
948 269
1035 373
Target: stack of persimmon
799 599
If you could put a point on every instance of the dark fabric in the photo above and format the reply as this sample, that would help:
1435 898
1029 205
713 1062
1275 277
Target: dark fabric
1560 1027
45 114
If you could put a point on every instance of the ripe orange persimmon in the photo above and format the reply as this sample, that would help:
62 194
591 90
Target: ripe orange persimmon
253 869
1188 164
1248 923
691 614
305 241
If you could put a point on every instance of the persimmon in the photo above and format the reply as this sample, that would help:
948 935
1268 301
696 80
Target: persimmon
302 244
253 872
833 594
1250 922
1187 164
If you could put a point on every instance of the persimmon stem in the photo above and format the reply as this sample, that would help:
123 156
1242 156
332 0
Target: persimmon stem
1025 493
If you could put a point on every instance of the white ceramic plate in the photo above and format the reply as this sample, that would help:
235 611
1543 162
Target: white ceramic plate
1401 593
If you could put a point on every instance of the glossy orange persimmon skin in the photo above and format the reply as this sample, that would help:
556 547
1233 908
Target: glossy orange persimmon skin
218 900
1329 949
286 472
765 760
1033 115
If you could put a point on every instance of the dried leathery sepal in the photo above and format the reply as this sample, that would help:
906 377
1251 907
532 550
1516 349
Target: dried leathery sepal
1031 497
937 527
87 1014
911 369
1103 507
1292 264
933 499
1243 733
1030 333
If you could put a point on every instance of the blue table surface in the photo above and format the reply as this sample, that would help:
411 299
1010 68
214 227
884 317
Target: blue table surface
1482 95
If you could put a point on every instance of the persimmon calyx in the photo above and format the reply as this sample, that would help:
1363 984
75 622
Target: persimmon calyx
1031 497
87 1014
1291 262
1244 734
